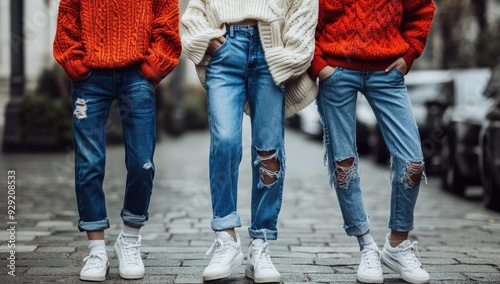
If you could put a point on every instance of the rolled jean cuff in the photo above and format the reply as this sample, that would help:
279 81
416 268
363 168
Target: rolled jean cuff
230 221
359 229
404 229
93 225
264 234
134 220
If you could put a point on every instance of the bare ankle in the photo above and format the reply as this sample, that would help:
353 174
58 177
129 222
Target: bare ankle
232 233
396 238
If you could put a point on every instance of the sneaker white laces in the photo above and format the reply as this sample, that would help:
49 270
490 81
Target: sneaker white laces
410 257
95 260
131 252
263 257
370 259
219 251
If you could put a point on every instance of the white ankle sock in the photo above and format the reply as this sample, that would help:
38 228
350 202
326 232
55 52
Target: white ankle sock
130 231
97 246
364 241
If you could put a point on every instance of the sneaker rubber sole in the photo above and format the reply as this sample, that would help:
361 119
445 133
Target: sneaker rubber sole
363 279
250 273
95 278
236 263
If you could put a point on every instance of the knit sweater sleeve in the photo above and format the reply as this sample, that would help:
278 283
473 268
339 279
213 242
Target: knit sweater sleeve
68 48
416 25
295 57
165 44
197 31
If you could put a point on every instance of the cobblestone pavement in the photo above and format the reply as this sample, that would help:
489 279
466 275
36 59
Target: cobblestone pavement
459 241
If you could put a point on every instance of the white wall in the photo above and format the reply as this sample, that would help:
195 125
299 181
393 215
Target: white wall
39 28
493 11
4 39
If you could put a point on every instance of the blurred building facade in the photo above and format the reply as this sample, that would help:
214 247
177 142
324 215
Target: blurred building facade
39 28
493 12
40 22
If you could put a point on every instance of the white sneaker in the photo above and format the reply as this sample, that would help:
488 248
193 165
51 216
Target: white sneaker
227 256
259 265
370 270
127 250
96 267
404 260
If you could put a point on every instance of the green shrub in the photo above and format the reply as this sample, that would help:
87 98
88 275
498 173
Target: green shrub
192 107
47 115
46 112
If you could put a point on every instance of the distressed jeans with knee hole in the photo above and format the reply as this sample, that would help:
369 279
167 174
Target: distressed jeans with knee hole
92 98
238 72
389 100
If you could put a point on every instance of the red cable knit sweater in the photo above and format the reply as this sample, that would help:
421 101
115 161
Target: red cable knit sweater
370 34
108 34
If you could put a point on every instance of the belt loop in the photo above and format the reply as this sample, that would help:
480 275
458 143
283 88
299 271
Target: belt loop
231 31
252 30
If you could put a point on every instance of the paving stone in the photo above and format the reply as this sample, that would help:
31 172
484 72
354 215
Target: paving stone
55 223
188 279
471 260
19 248
304 268
457 238
447 276
323 249
485 277
333 255
336 261
54 271
48 262
461 268
55 249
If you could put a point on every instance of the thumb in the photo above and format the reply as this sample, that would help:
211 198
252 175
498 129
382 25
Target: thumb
390 67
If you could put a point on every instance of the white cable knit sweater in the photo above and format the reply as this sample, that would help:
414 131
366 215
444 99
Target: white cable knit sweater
286 29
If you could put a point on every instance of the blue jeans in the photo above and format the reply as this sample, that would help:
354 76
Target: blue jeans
389 100
238 72
92 98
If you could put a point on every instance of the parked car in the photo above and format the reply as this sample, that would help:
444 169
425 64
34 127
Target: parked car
461 124
490 144
426 89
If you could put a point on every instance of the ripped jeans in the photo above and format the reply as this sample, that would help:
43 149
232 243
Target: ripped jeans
389 100
238 73
92 98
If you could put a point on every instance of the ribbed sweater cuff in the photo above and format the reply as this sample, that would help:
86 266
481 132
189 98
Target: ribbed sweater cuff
317 64
195 49
76 70
410 57
150 73
279 67
300 92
